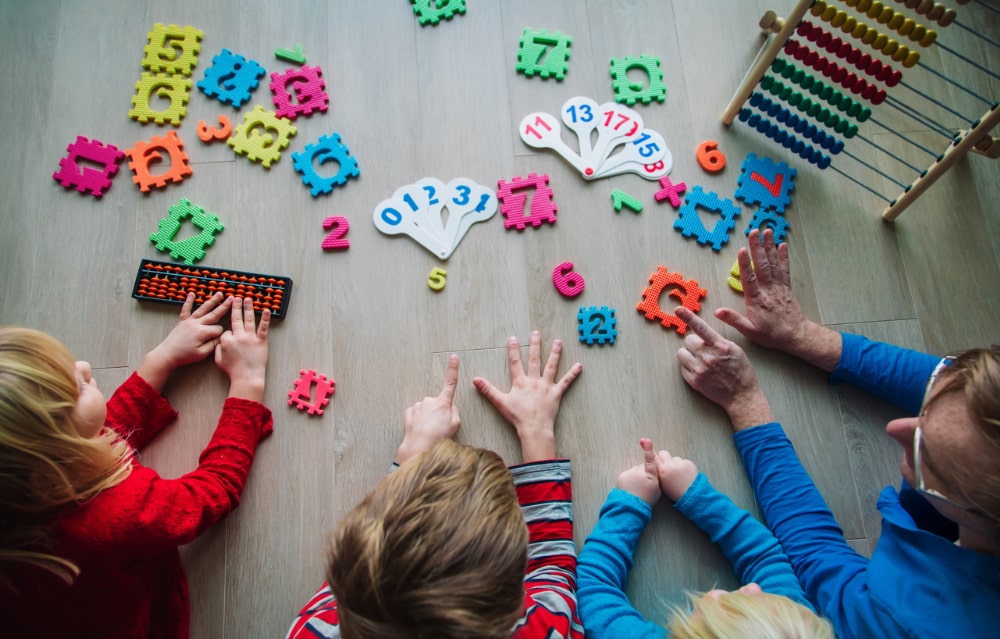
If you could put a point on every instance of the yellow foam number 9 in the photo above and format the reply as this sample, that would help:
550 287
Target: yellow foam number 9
436 280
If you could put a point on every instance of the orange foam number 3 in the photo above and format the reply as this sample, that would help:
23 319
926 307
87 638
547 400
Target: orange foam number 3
710 157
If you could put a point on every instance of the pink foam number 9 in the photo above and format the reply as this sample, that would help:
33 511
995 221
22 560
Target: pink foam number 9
568 282
338 227
710 157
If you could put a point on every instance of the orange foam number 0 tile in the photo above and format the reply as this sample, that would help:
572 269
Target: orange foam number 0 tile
436 280
710 157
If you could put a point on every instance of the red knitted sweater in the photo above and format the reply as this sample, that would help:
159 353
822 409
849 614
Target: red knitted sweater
125 539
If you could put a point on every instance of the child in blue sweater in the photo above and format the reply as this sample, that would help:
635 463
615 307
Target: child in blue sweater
771 598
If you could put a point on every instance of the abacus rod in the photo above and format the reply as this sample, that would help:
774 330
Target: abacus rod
940 104
890 154
954 153
876 169
988 6
977 34
762 63
968 61
861 184
919 118
904 138
949 81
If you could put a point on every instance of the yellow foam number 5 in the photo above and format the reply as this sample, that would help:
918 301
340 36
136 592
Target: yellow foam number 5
436 279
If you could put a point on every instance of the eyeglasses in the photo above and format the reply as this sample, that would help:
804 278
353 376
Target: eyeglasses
918 442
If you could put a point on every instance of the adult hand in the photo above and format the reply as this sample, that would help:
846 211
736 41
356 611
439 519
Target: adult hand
533 401
193 338
242 351
675 474
641 480
431 419
774 318
719 369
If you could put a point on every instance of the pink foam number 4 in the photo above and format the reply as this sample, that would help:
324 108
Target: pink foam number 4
301 394
670 191
338 227
512 197
567 282
96 181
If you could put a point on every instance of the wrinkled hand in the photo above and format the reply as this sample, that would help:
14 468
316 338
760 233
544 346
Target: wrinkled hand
675 474
533 401
773 316
641 480
719 369
242 351
431 419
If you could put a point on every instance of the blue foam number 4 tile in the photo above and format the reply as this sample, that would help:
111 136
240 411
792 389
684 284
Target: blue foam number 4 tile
231 78
689 222
597 325
328 148
765 182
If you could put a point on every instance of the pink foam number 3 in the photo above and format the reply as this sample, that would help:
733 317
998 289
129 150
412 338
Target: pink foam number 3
512 198
96 181
338 227
568 282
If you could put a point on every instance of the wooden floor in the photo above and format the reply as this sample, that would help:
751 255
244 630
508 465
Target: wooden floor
445 102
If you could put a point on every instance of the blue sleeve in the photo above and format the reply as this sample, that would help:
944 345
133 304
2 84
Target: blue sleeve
832 573
749 546
895 374
602 571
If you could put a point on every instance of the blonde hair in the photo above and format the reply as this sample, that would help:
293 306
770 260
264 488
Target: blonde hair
438 549
976 374
45 464
748 616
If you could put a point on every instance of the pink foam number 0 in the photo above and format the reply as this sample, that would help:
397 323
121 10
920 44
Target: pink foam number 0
567 282
338 227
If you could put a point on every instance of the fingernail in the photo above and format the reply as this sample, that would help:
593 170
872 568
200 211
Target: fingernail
536 334
513 339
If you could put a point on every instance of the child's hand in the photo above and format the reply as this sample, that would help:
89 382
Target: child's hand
242 351
431 419
532 404
676 474
642 480
193 338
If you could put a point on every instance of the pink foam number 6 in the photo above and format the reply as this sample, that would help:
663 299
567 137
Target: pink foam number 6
338 227
568 282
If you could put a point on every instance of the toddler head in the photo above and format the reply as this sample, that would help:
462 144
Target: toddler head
53 452
749 614
438 549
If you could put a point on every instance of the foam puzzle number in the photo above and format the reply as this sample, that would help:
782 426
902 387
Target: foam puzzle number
710 157
567 282
436 280
597 325
338 227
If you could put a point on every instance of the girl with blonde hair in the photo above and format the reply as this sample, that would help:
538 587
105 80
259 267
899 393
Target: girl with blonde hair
85 529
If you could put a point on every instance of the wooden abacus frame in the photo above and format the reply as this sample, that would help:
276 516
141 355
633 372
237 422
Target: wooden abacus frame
977 138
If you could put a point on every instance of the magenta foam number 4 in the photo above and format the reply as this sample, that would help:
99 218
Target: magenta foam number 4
338 227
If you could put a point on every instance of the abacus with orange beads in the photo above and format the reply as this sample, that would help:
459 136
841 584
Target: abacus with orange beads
170 283
804 104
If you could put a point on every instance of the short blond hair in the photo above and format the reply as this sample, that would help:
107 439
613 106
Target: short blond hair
438 549
976 374
46 466
748 616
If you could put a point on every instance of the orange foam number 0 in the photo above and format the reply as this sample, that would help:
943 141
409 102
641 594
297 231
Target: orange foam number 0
436 279
710 157
338 227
